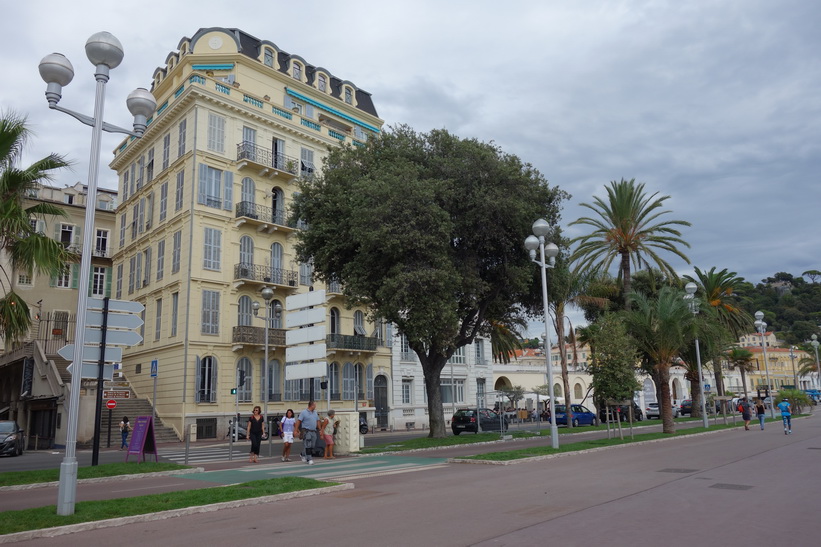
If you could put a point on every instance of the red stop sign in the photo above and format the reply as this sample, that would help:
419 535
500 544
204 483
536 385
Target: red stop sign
111 404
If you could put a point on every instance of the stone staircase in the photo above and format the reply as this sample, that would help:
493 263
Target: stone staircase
132 408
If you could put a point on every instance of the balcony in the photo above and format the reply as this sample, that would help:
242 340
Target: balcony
335 287
264 275
264 162
348 342
100 253
255 336
264 218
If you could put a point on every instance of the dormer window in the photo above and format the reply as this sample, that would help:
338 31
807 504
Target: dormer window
322 83
348 95
297 71
268 59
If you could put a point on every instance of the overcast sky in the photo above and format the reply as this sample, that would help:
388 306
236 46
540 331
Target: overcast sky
714 103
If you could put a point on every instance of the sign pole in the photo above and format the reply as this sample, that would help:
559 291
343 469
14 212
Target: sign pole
98 407
108 442
155 371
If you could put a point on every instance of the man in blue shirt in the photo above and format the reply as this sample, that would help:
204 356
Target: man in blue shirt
784 407
305 427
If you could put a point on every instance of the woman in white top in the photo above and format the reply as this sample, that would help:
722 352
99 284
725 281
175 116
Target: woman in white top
286 431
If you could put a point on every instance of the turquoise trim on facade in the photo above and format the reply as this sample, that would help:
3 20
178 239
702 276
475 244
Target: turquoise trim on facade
178 92
163 107
336 134
196 79
332 110
122 147
216 66
149 120
357 143
284 113
222 88
312 125
252 100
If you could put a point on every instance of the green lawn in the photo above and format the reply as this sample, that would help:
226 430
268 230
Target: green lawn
87 511
91 472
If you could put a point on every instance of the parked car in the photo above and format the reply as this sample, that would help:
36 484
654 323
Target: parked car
686 407
11 438
652 410
621 412
581 415
464 419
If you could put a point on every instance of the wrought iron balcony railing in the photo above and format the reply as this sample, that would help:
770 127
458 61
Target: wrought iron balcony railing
245 334
261 212
265 274
264 156
350 342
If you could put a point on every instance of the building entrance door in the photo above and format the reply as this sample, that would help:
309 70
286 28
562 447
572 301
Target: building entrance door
380 401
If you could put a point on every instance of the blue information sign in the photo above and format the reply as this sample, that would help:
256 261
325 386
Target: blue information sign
155 364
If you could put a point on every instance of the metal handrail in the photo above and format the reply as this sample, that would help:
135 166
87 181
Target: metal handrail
264 156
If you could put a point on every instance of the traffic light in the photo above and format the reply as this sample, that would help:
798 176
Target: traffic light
241 378
233 391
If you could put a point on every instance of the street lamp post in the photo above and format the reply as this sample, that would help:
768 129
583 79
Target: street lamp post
692 302
792 360
267 294
537 241
817 366
762 328
105 52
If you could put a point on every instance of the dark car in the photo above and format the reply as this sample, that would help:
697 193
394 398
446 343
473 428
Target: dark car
581 416
686 407
621 412
464 419
11 438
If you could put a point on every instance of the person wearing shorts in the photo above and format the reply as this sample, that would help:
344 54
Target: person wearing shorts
286 431
328 426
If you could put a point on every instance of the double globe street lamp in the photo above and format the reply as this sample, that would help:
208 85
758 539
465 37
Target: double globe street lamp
105 52
547 254
814 345
761 326
271 313
692 303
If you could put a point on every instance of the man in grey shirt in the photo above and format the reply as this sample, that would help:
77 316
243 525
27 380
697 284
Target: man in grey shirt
305 426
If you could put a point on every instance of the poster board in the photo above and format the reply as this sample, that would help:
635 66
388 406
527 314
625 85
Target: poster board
142 439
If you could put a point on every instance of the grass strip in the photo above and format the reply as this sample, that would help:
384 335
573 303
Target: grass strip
12 478
88 511
534 451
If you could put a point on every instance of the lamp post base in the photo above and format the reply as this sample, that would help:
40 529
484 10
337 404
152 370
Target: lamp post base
67 490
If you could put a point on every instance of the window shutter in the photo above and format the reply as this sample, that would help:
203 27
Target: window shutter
108 282
289 103
228 190
309 110
75 276
91 282
57 231
202 191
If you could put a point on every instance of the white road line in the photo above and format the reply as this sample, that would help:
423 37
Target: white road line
150 487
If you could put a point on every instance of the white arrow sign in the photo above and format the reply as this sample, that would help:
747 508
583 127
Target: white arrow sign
305 317
303 336
115 320
91 370
305 300
306 370
126 306
113 337
305 353
92 354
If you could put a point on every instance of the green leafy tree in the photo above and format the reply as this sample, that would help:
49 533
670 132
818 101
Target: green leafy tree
427 229
812 275
628 226
613 360
514 394
26 250
798 399
661 328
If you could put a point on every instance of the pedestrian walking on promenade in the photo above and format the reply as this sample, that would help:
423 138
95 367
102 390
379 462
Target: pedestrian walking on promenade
254 432
746 412
125 428
786 415
305 426
328 428
286 431
760 411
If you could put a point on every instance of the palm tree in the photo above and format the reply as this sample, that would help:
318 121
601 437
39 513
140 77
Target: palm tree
660 327
628 226
25 250
505 338
742 359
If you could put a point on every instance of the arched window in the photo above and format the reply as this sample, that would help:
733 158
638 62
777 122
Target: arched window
276 264
322 83
335 328
278 206
297 71
359 323
268 57
206 380
333 377
248 191
274 380
246 252
557 390
577 392
348 382
244 391
348 95
245 312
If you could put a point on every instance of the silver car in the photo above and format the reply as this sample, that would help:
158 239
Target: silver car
652 411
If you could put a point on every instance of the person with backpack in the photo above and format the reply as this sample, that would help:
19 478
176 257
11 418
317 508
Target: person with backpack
746 412
125 428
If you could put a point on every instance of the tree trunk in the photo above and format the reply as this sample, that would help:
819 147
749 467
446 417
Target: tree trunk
626 282
559 323
432 368
695 396
661 377
743 379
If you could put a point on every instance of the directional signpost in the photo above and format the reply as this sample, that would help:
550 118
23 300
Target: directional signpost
305 349
155 368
